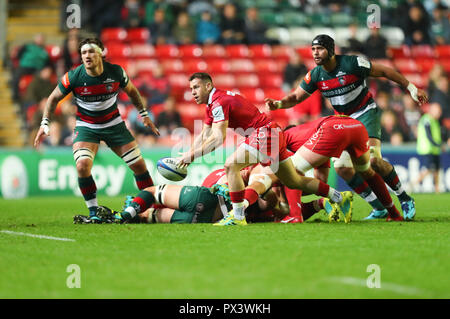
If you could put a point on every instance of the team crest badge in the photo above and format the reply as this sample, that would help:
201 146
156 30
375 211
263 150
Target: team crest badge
109 87
341 80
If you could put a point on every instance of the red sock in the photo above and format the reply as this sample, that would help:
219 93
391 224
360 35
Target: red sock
379 188
323 190
294 197
237 197
251 196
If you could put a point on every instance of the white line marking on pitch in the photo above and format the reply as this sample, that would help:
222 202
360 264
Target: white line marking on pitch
35 236
384 285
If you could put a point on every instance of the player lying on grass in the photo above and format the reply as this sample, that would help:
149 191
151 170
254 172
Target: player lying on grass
329 137
264 143
197 204
342 80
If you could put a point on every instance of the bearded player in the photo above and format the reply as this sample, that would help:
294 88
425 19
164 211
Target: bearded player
341 79
264 143
95 85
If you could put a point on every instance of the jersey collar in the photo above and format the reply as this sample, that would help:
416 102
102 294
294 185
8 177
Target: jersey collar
211 95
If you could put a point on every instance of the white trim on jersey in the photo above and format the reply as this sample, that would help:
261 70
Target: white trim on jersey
364 110
116 121
348 97
98 105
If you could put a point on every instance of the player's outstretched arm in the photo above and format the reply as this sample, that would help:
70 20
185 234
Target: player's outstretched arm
136 99
50 107
379 70
294 98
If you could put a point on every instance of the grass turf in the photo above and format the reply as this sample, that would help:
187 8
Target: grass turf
311 260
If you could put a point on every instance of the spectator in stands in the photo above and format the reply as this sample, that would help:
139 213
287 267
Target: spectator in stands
417 26
40 87
104 14
143 136
412 116
160 28
183 32
169 119
255 29
197 7
293 70
132 14
231 25
440 25
390 132
156 88
441 95
153 5
70 54
207 31
32 57
376 44
354 46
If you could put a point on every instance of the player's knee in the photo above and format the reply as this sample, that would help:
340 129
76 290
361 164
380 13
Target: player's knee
375 163
84 167
346 173
230 167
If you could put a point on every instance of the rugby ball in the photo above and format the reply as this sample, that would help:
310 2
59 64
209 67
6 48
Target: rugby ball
167 167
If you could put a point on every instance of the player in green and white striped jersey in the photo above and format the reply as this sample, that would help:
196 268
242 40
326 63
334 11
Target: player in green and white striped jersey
95 85
342 80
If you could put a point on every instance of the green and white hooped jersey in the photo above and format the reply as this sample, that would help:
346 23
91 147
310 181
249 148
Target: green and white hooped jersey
345 87
95 97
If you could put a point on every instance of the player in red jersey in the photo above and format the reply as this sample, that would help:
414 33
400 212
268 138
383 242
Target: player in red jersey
328 137
264 143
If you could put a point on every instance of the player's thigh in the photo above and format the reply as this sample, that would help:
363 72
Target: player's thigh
305 159
240 159
196 204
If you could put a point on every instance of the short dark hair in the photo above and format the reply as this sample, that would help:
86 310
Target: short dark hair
202 76
90 40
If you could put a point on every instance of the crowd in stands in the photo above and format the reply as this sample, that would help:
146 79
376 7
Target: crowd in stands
223 23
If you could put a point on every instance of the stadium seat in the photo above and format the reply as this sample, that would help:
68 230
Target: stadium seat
422 51
195 65
406 65
268 65
305 52
420 80
146 65
282 52
300 35
394 35
295 19
178 81
443 51
340 19
274 93
268 80
224 81
142 50
172 65
167 51
190 51
399 52
237 51
138 35
247 80
117 50
258 51
219 66
254 95
214 51
241 65
113 34
24 82
280 34
54 52
445 64
425 65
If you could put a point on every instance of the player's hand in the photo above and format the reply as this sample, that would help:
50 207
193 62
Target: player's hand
184 160
272 104
41 134
151 125
422 97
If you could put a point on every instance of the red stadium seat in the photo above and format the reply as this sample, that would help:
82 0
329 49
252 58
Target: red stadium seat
237 51
420 80
195 65
54 52
247 80
224 81
422 51
425 65
254 95
219 66
113 34
146 65
178 81
270 80
190 51
117 50
268 65
401 52
142 50
167 51
443 51
241 65
24 82
138 35
305 52
282 52
274 93
258 51
445 64
406 65
172 65
214 51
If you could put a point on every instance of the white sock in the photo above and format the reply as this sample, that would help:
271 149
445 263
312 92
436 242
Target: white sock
130 210
334 195
238 210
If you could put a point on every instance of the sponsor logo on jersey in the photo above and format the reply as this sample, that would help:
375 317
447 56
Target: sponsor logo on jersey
218 114
308 77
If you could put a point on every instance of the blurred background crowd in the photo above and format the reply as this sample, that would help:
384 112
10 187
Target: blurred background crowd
259 48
